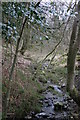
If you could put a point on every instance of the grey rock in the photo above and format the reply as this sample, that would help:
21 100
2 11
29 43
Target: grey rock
58 106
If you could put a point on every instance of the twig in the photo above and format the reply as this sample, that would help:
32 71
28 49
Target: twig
52 58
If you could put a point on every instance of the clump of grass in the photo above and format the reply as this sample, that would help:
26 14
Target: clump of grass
61 71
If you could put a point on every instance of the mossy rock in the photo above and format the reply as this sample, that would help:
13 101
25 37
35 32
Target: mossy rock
58 106
42 90
51 87
42 79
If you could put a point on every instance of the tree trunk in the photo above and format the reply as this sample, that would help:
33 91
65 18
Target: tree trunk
71 58
26 35
13 66
26 38
73 49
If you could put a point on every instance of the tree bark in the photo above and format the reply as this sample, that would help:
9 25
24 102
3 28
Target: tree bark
26 39
73 49
25 36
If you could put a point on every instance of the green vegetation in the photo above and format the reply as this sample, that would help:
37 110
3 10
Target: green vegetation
36 52
24 95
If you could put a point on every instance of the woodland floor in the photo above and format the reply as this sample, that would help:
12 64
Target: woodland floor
38 89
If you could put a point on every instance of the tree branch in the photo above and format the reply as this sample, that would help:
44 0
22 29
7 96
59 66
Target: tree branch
14 62
58 42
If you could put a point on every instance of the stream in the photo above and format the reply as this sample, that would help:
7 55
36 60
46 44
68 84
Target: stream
54 106
48 103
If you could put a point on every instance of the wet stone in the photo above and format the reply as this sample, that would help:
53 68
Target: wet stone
48 95
41 115
41 101
42 110
46 101
58 106
65 107
64 85
50 86
28 117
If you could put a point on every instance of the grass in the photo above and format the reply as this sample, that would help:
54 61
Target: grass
26 91
56 73
21 75
31 94
26 88
24 95
61 71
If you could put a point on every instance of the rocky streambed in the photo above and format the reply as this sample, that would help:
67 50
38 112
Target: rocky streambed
57 106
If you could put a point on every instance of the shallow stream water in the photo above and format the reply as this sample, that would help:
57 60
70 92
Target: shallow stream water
54 106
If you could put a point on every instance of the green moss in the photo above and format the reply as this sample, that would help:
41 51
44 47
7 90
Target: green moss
42 79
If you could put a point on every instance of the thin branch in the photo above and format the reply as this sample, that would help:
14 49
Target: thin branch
13 65
52 58
58 42
12 68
